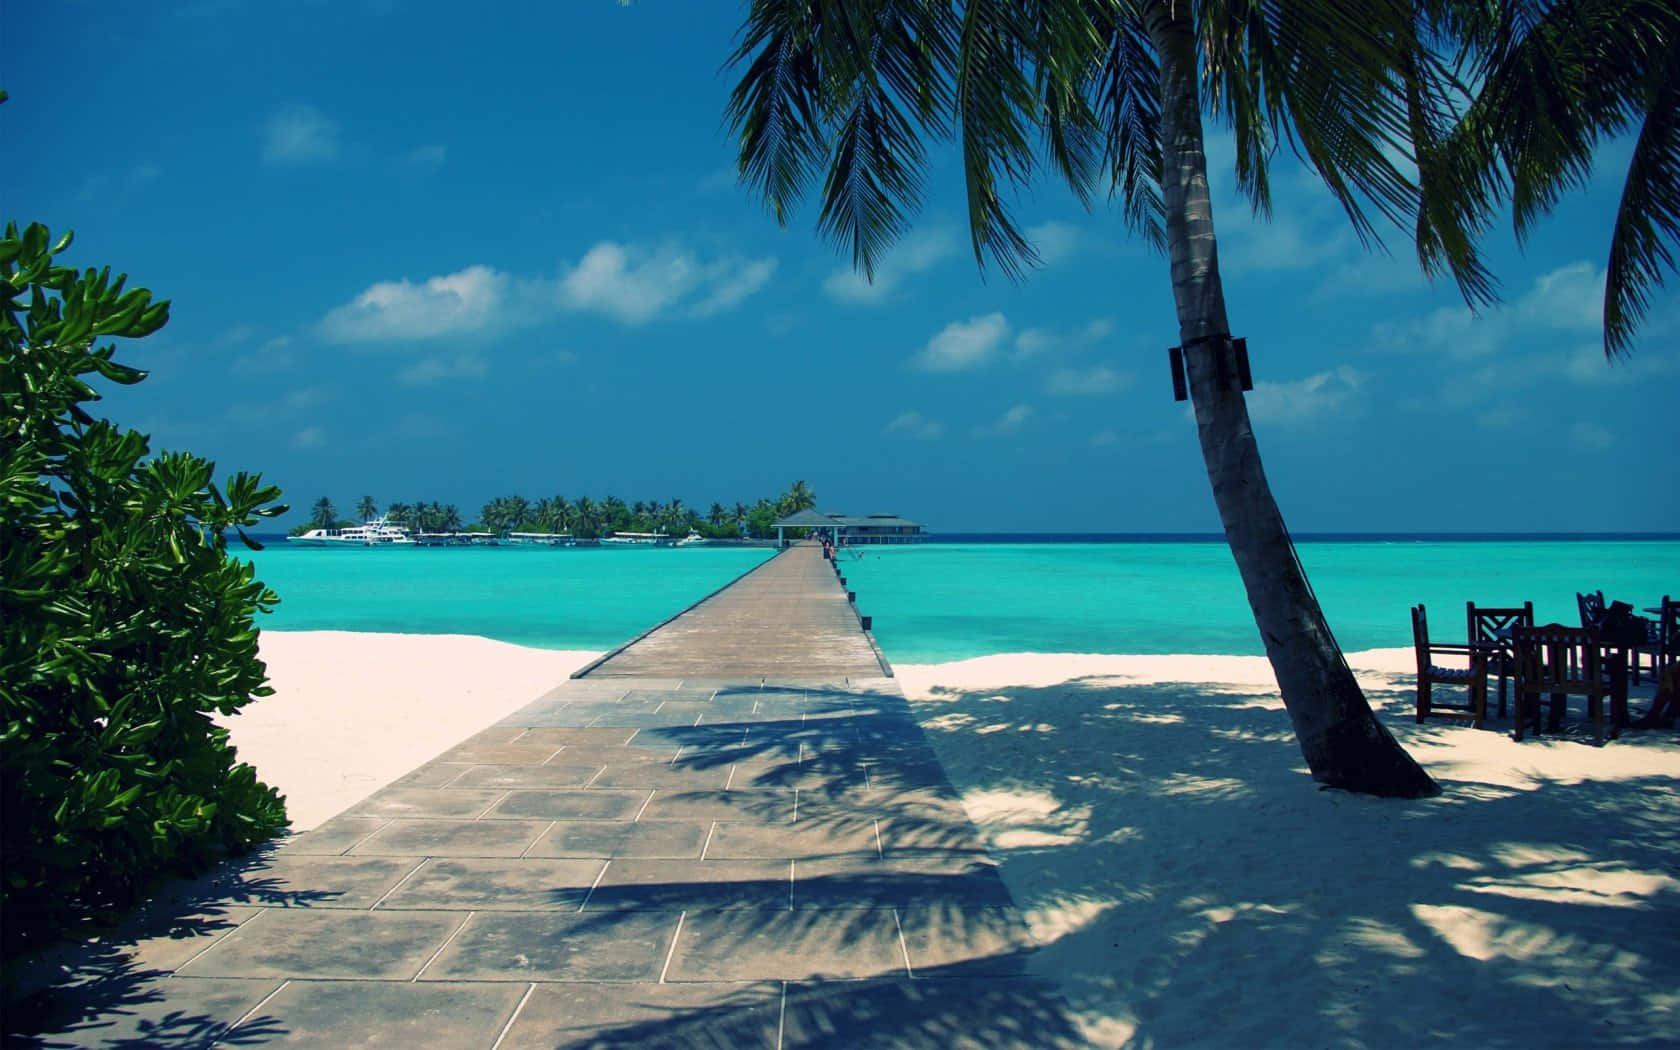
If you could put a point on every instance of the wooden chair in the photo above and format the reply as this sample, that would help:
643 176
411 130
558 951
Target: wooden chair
1473 678
1591 605
1490 630
1562 661
1660 642
1668 633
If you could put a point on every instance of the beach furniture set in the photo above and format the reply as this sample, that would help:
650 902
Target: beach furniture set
1595 660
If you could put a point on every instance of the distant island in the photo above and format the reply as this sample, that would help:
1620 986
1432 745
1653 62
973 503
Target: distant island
584 518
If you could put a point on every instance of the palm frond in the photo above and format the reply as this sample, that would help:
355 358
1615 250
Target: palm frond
873 176
1649 213
1326 75
1128 110
848 89
1458 189
774 106
995 107
1067 43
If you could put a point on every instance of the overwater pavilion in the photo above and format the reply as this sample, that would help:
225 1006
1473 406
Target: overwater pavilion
843 529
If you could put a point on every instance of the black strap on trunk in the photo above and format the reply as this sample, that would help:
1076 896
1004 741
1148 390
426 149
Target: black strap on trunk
1175 360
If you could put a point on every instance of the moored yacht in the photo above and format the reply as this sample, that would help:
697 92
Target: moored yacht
375 533
637 539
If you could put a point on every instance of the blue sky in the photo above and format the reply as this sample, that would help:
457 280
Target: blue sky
421 251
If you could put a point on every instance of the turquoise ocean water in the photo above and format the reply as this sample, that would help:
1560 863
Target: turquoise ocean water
951 601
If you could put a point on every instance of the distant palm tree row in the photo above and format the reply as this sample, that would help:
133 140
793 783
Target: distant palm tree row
585 518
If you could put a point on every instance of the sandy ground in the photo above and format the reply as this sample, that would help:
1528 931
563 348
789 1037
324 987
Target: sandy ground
352 712
1188 884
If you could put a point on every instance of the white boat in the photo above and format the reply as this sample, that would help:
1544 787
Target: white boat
637 539
543 539
376 533
693 539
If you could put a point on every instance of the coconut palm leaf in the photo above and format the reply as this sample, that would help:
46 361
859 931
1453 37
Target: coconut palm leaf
1557 79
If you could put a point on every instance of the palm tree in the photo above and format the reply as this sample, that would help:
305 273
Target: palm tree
798 497
400 514
584 515
716 516
1116 88
517 510
449 518
323 515
1557 80
367 508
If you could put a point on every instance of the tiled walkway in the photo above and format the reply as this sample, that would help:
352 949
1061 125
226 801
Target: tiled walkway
743 856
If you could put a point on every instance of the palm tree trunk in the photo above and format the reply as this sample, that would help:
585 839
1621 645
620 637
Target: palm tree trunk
1344 744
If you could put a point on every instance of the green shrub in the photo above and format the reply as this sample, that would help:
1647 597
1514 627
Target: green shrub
124 622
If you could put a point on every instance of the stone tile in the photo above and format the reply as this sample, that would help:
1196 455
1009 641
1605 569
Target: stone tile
165 938
815 776
553 774
452 838
702 738
802 839
489 884
676 839
648 1015
431 775
581 804
859 881
520 747
576 740
676 885
549 946
288 880
783 945
333 837
667 776
299 942
976 940
907 834
416 803
373 1014
754 805
930 1015
151 1011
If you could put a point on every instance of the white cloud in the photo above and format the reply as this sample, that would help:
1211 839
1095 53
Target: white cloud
963 344
1569 298
916 254
306 397
1033 342
1013 419
1306 400
426 157
300 135
430 370
1104 439
1098 379
914 425
1053 240
309 437
733 282
1591 435
468 300
636 286
1283 243
274 355
624 282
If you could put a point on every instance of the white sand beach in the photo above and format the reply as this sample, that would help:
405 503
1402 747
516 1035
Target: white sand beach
1188 884
352 712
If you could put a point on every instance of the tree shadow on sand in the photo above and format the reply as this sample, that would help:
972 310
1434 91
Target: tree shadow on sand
1193 888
